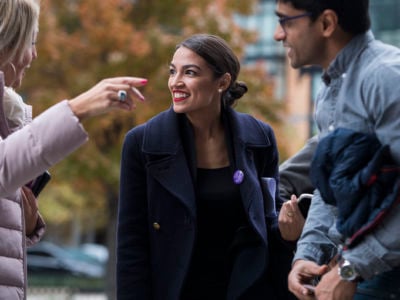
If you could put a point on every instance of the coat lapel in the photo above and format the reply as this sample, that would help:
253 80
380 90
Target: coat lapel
168 164
167 161
247 135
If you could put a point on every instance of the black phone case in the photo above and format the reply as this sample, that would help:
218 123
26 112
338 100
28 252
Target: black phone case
304 206
40 182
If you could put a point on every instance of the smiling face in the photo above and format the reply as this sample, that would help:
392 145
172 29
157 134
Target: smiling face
300 36
193 87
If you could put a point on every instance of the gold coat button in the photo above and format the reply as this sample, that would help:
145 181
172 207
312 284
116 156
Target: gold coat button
156 226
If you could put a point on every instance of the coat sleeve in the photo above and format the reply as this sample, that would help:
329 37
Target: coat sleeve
133 251
31 150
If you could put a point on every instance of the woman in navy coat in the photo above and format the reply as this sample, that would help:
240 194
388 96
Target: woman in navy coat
197 213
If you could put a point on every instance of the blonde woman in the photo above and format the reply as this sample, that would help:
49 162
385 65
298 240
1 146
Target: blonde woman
28 148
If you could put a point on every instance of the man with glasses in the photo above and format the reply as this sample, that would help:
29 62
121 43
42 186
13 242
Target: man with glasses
360 92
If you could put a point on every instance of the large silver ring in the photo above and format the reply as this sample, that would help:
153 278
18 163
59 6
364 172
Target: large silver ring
122 95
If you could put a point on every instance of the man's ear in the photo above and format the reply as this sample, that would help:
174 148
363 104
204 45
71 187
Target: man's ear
225 81
329 21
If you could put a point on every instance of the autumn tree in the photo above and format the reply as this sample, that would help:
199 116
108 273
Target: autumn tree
84 41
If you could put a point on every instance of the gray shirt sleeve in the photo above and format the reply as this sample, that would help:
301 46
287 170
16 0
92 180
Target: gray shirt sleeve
294 172
380 250
319 239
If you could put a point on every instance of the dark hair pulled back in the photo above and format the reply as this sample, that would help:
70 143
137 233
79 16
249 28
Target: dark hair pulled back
221 59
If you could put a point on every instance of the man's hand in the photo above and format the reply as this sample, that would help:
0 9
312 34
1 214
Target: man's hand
302 274
332 287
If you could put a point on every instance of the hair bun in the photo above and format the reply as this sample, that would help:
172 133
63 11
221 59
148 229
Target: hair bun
235 91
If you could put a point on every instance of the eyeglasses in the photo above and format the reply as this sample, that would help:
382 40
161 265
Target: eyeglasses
282 21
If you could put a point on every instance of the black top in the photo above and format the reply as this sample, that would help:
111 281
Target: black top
219 214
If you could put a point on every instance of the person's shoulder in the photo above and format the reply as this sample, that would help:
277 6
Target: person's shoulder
255 122
381 58
253 129
250 119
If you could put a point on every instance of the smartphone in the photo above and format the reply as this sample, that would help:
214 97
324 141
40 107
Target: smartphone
304 202
40 182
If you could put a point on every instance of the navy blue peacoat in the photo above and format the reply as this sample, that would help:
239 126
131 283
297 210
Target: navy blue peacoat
157 208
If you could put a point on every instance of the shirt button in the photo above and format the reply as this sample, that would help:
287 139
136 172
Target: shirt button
331 128
156 226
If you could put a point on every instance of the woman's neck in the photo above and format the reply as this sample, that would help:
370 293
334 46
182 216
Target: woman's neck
210 143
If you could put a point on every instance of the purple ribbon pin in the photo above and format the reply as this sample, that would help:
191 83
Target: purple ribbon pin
238 177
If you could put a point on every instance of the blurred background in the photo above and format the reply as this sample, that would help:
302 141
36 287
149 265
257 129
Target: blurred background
82 41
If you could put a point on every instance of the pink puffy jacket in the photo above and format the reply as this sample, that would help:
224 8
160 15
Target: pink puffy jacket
24 155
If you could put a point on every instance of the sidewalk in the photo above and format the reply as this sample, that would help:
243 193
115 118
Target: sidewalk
61 294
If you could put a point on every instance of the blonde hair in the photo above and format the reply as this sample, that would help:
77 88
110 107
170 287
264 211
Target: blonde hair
18 22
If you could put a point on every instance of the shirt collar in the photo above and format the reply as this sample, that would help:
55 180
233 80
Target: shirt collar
346 56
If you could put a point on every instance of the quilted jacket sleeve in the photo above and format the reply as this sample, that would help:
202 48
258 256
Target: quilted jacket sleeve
31 150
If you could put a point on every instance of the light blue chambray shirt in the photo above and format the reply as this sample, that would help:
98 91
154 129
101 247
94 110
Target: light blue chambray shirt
361 91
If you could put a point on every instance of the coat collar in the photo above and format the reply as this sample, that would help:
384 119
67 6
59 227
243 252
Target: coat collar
162 134
12 103
173 166
165 139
